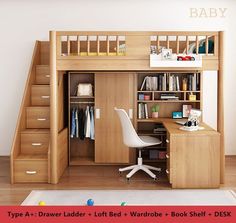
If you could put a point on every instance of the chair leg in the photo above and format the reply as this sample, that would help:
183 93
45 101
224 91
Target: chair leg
148 172
152 168
127 168
132 172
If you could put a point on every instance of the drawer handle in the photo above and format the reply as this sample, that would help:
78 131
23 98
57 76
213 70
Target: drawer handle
167 156
45 96
47 75
36 144
41 119
167 141
167 171
31 172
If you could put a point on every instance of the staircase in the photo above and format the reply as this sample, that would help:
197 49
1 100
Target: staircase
30 150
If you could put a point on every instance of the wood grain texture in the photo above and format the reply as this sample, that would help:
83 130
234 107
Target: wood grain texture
42 74
40 95
111 90
38 117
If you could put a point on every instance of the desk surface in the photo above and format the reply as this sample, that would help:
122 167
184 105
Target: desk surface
173 128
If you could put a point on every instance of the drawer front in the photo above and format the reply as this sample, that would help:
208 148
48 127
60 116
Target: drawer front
34 143
42 75
40 95
38 117
31 171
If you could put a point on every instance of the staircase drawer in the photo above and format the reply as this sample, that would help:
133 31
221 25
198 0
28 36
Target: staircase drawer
38 117
42 74
34 143
30 171
40 95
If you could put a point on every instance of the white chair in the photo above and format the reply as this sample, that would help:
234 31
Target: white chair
131 139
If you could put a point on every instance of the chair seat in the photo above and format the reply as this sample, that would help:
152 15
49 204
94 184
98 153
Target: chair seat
150 141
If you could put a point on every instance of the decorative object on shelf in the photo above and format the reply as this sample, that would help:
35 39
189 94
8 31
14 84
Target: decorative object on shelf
147 97
140 97
177 114
84 89
192 97
166 54
159 128
193 121
155 111
184 84
185 58
186 110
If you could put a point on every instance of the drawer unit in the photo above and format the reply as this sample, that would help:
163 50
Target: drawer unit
30 171
168 159
42 74
40 95
38 117
32 143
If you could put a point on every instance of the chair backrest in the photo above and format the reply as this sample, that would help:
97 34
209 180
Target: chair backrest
130 137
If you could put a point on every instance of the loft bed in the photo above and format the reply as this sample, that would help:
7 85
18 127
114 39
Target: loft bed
123 51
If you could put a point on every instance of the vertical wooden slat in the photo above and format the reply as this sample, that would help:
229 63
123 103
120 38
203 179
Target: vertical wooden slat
187 44
197 45
78 45
68 45
98 45
59 46
53 108
117 45
88 45
108 45
167 42
220 112
158 44
207 45
216 45
177 44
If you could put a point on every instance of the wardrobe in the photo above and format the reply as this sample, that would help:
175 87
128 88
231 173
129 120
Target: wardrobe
110 90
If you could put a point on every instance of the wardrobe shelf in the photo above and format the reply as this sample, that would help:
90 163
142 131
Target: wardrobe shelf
81 97
168 101
168 91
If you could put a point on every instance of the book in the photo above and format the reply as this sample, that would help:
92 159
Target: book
146 111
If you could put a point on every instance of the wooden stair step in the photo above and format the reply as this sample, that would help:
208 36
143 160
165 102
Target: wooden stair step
42 74
36 131
32 157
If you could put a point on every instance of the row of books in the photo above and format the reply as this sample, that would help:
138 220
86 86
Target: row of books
169 96
142 111
171 82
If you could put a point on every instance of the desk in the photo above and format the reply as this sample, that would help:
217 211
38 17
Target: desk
193 158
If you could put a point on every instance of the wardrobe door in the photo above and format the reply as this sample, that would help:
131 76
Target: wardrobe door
111 90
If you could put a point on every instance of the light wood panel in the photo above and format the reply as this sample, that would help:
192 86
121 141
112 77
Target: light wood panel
38 117
30 171
111 90
40 95
32 143
62 149
44 52
220 113
42 74
21 121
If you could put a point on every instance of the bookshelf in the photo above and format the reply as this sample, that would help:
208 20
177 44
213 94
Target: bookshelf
154 89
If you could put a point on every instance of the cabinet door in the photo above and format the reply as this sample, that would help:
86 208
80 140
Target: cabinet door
111 90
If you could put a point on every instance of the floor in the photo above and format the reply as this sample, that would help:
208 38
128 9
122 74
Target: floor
94 177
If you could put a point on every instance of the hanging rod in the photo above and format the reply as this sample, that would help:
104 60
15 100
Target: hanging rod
82 102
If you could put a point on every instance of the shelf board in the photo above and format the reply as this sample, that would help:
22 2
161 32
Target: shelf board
156 120
154 160
168 91
82 97
168 101
150 133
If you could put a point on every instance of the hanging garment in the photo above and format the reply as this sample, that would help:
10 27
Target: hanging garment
73 126
87 123
92 136
76 124
81 117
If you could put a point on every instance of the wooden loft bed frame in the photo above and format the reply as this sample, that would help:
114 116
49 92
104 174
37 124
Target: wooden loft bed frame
119 51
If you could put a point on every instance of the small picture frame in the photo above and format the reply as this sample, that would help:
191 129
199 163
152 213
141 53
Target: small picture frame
176 115
166 54
186 110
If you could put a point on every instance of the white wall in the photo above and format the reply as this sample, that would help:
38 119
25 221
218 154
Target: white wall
22 22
